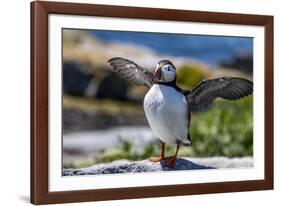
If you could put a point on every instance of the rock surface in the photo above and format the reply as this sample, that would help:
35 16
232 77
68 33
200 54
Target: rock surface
125 166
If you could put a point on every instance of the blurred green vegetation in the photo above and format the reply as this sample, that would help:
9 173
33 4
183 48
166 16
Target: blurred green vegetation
190 76
79 164
224 130
104 106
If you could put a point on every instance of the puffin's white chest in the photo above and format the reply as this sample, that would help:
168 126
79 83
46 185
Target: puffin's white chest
166 112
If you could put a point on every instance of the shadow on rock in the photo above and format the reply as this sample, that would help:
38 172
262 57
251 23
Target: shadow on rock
183 164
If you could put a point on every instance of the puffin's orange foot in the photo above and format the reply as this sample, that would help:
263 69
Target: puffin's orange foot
155 159
170 162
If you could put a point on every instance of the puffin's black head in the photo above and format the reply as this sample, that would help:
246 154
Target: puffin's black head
165 71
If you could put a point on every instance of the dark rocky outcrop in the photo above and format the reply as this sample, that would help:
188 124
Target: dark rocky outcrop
75 81
103 84
112 87
135 167
241 62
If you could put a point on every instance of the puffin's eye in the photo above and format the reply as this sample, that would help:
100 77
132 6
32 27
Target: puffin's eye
168 67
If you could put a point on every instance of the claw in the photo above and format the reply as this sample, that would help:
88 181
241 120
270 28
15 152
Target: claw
170 162
155 159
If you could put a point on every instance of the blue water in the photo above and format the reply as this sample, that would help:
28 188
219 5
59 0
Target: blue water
208 49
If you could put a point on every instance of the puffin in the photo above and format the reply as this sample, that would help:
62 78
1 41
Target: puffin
168 108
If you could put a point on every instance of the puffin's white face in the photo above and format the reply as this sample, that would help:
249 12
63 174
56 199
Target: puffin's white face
166 73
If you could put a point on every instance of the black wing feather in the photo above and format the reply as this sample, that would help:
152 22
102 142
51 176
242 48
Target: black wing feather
202 96
132 72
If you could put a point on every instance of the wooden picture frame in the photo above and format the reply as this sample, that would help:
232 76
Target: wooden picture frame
40 193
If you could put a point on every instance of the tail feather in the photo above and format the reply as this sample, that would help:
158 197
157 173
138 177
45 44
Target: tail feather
186 142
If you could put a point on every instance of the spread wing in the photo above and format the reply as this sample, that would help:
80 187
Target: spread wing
202 96
132 72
